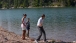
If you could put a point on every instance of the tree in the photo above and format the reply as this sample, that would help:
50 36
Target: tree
0 5
25 3
15 3
35 3
41 2
73 2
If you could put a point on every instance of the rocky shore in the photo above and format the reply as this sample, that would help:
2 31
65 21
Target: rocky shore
11 37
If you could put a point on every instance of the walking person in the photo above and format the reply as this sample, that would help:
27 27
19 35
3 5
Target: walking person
41 29
28 27
23 26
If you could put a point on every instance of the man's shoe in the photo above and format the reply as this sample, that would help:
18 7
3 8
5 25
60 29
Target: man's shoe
45 41
36 41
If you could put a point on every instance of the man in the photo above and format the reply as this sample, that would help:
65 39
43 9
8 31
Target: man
41 29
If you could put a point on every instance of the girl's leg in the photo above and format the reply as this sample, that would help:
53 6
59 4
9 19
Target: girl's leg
27 33
23 34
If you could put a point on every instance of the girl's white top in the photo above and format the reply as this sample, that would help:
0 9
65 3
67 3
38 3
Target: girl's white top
25 20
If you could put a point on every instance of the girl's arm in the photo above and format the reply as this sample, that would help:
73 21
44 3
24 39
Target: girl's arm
23 22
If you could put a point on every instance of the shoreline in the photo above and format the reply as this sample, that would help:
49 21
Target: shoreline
11 37
36 7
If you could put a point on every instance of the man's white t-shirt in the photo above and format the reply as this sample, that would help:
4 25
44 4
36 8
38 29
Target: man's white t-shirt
40 22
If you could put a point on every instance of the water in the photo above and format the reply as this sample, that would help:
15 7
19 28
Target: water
59 24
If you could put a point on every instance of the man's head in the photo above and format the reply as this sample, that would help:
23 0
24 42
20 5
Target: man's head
43 16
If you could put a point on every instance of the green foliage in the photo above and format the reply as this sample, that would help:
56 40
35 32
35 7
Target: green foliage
15 3
25 3
67 3
0 5
41 3
35 3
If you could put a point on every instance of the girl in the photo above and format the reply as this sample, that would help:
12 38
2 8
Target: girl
28 27
23 26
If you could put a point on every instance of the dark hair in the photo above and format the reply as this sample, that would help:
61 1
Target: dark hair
24 14
43 15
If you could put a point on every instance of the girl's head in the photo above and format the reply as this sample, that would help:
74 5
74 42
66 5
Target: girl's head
28 19
25 15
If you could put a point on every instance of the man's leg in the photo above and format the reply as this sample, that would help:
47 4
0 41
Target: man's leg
44 34
40 33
